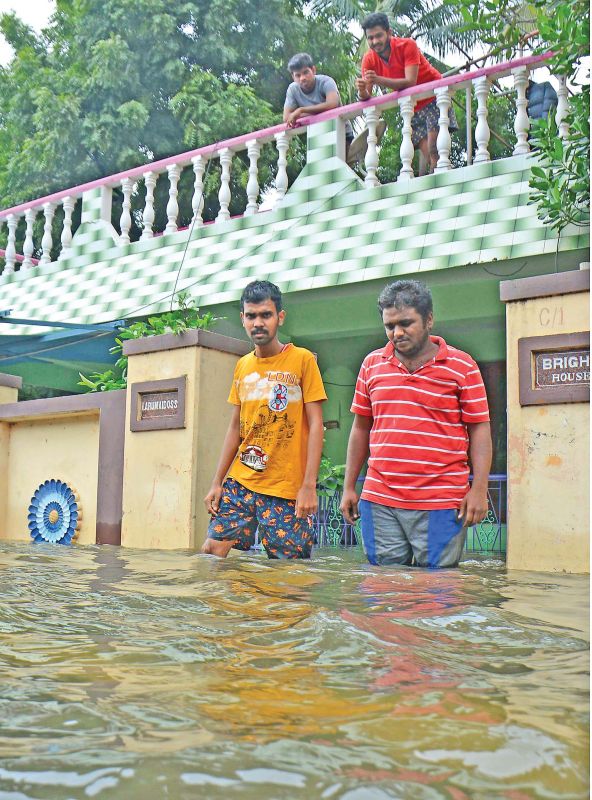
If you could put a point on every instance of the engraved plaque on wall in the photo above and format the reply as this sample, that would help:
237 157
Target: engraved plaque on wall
158 405
554 369
562 367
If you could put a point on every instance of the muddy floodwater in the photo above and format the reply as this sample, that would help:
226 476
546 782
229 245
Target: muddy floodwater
143 674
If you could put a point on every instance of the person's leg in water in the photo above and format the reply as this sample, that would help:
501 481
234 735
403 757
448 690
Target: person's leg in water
235 523
282 533
436 536
384 538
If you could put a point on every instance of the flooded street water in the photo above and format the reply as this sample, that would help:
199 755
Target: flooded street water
143 674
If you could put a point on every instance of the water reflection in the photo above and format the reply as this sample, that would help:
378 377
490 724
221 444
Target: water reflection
133 674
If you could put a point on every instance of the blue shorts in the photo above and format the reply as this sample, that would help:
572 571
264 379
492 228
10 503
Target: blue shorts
409 536
242 512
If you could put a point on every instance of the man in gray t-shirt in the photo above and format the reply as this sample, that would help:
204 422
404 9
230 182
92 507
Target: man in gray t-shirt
310 93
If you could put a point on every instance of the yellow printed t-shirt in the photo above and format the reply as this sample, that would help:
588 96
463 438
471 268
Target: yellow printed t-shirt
271 393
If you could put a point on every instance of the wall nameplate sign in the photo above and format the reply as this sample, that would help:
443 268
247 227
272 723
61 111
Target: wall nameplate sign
554 369
158 405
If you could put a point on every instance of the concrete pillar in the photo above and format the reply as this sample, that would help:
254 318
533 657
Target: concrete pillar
9 386
324 140
547 321
176 419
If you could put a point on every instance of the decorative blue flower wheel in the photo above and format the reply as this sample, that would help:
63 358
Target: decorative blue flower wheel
54 513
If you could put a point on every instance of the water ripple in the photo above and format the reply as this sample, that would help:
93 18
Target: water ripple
133 674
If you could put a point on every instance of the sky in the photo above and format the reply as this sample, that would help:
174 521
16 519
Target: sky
34 12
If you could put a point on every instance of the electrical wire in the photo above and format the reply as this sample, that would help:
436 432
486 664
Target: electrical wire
505 274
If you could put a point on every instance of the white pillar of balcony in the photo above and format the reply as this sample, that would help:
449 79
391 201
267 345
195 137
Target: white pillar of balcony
469 124
47 240
224 195
443 142
10 254
281 178
521 122
253 151
562 107
148 216
172 209
371 115
482 132
407 151
68 204
28 246
125 223
197 201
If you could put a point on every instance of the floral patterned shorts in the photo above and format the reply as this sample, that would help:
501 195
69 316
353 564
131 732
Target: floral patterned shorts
242 511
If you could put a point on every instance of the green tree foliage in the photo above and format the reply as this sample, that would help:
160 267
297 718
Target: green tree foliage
111 85
560 180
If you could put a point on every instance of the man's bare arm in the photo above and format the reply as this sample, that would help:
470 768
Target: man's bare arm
371 79
358 447
474 505
292 115
306 499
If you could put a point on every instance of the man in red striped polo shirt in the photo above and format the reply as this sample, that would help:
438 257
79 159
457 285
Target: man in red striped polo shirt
420 412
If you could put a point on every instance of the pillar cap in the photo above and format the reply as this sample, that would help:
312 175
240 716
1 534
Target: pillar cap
12 381
545 285
192 338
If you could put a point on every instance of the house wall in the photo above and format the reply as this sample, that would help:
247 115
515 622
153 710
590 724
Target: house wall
136 487
38 450
548 443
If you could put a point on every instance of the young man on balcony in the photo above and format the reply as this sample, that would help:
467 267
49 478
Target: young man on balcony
310 93
393 64
420 410
267 473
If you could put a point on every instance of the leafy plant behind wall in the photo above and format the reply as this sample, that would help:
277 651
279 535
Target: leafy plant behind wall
183 318
331 476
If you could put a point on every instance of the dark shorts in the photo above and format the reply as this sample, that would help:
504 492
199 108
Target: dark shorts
242 512
406 536
426 119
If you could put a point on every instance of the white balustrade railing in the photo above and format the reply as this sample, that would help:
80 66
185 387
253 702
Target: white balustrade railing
68 205
371 115
521 121
443 142
482 132
140 216
407 151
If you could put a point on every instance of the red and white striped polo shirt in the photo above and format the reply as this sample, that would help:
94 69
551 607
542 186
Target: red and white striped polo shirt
419 441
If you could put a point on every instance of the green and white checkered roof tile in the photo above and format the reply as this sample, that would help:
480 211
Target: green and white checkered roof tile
329 230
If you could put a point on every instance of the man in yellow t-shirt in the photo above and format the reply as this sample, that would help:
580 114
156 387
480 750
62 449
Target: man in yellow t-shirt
273 445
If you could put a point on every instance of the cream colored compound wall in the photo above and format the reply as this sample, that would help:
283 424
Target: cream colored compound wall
38 450
139 488
548 450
